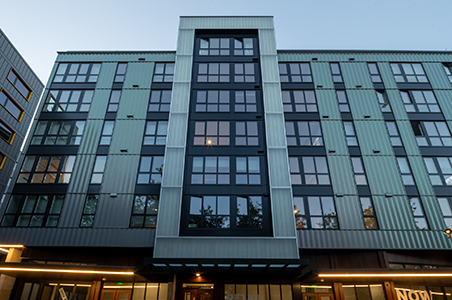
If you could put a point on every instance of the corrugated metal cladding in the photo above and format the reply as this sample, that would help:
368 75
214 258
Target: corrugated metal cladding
387 76
275 130
272 97
120 174
366 56
181 90
127 137
174 160
278 168
80 177
225 247
349 213
91 136
356 74
139 74
432 211
334 137
327 104
283 218
420 175
167 56
444 100
373 239
364 105
321 74
179 137
342 178
134 104
393 213
106 75
383 175
373 138
267 42
226 23
71 214
396 104
79 237
182 72
186 37
437 75
99 104
169 211
269 68
113 212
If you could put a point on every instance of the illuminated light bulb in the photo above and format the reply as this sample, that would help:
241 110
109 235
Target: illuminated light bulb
209 142
448 231
295 211
197 274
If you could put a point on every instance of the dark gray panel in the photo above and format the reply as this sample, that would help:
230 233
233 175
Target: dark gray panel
114 212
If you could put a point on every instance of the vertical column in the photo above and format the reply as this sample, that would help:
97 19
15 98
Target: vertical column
7 282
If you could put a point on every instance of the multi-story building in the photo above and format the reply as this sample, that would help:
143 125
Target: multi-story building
20 91
230 170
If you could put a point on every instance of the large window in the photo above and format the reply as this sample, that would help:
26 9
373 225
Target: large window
419 101
58 133
363 292
226 46
439 170
77 72
431 133
46 169
299 101
221 102
68 101
19 84
144 211
6 133
160 101
211 133
295 72
150 171
33 211
163 72
315 212
12 107
220 72
309 170
210 170
246 133
304 133
408 72
370 220
248 170
258 291
155 133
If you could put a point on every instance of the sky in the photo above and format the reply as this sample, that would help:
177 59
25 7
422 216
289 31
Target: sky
39 29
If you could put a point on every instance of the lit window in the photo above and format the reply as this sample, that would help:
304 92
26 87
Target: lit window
408 72
98 170
209 212
160 101
405 171
295 72
343 101
77 72
315 213
107 133
364 292
46 169
19 84
299 101
68 101
163 72
383 101
350 135
374 73
431 133
315 170
144 211
113 103
89 211
211 133
58 133
151 169
6 133
439 170
210 170
419 101
358 170
336 72
418 214
304 133
33 211
393 134
12 107
120 72
370 220
155 133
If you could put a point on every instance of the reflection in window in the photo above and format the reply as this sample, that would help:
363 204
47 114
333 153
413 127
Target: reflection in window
419 101
68 101
214 46
246 133
211 133
213 72
245 101
408 72
76 72
363 292
383 101
405 171
107 133
113 103
58 133
144 211
448 70
151 169
160 101
89 211
295 72
6 133
370 220
336 72
155 133
315 170
210 170
243 46
394 136
120 72
350 135
315 213
358 170
258 292
343 101
431 133
439 170
249 212
418 214
12 107
163 72
212 101
98 171
209 212
19 84
374 73
304 133
33 211
248 170
299 101
46 169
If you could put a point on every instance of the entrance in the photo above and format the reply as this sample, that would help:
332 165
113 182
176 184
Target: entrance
193 291
312 296
122 294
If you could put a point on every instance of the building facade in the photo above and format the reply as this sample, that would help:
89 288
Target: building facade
230 170
20 91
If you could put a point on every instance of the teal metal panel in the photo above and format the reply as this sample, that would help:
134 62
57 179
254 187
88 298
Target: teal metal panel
81 174
444 98
272 97
99 104
327 104
364 103
356 74
275 130
437 76
396 103
408 139
127 134
106 75
334 136
139 73
278 167
420 175
341 174
267 42
386 75
373 138
383 175
174 160
120 174
393 213
133 102
283 219
433 212
111 56
226 22
113 212
349 213
91 136
321 74
181 90
183 68
169 211
178 123
185 41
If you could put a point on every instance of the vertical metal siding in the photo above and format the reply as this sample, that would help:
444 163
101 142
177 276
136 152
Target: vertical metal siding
127 134
420 175
383 175
372 135
334 136
120 174
185 38
174 160
72 210
181 96
139 73
327 104
275 130
106 75
433 212
342 178
283 218
91 136
114 212
408 138
349 213
321 74
278 170
444 98
386 75
133 102
269 68
115 57
272 97
364 102
356 74
176 125
396 103
169 211
80 177
393 213
182 72
99 104
226 22
437 76
267 42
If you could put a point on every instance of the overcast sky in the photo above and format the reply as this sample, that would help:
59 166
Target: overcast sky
39 29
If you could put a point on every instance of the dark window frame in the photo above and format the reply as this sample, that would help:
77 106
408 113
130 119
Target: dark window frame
91 76
8 99
19 79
